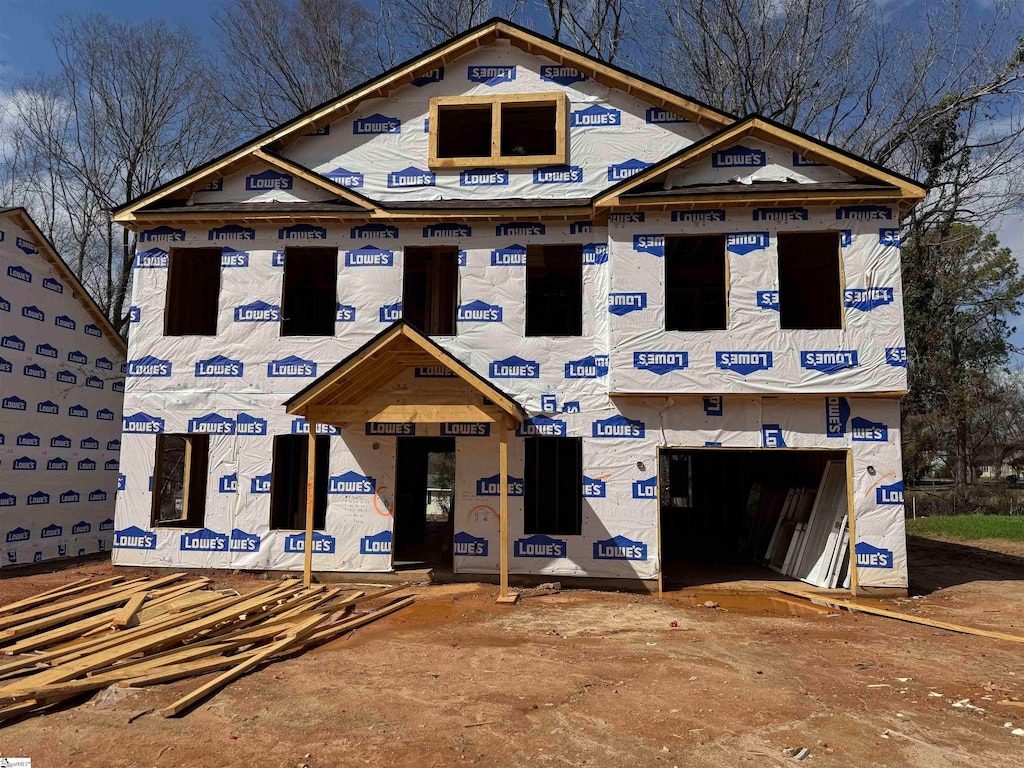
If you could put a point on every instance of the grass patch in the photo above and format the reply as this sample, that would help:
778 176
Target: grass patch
968 527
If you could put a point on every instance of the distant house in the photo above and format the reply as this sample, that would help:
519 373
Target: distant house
61 389
504 242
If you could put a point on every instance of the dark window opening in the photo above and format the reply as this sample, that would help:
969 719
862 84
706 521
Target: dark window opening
193 292
430 289
309 299
554 290
809 281
179 480
553 486
528 130
695 288
288 482
464 131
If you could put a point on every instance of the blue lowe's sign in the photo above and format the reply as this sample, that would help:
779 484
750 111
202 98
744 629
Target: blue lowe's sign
53 285
370 256
743 363
771 436
344 313
742 243
828 361
624 170
260 484
652 244
713 405
71 496
465 429
541 426
491 74
250 426
30 440
595 116
491 486
65 322
539 545
781 215
12 342
376 124
837 416
556 73
594 487
768 300
228 483
514 368
231 232
86 465
870 556
896 357
212 424
240 541
203 540
447 230
411 176
390 428
467 545
867 431
301 427
292 366
889 494
134 537
390 313
377 544
154 258
268 180
374 232
867 299
321 544
60 441
143 423
624 303
590 367
435 75
75 356
659 116
105 414
51 531
219 367
164 234
346 178
739 157
18 272
149 367
618 426
33 313
18 534
620 548
479 312
484 177
231 257
67 377
7 500
510 256
47 350
864 213
594 254
558 174
520 229
48 407
350 483
257 312
645 489
33 371
302 232
889 236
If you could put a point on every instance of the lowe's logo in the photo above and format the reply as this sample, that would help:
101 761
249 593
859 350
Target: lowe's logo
260 484
742 243
377 544
65 322
291 367
29 440
32 371
154 258
105 414
7 500
5 305
465 429
864 212
828 361
595 116
432 372
390 429
6 366
376 124
619 426
520 229
555 73
212 424
594 488
82 526
24 463
713 405
435 75
77 357
57 464
231 257
479 312
322 544
345 177
18 272
48 407
411 177
866 431
301 427
47 350
67 377
467 545
204 540
351 482
98 495
652 244
867 299
541 426
739 157
53 285
234 232
869 556
539 545
512 256
590 367
705 216
491 486
514 368
645 489
33 313
624 303
228 483
390 313
622 171
241 541
658 116
302 232
217 185
581 228
257 312
889 237
268 180
344 313
134 537
12 342
799 161
60 441
491 74
484 177
18 534
768 300
112 465
771 436
113 445
370 256
594 254
743 363
149 367
86 465
837 414
780 214
447 230
896 356
162 234
219 367
620 548
374 232
51 531
143 423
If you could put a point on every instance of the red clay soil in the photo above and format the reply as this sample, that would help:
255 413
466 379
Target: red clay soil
585 678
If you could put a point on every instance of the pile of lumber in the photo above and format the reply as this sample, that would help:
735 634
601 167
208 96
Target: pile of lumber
80 638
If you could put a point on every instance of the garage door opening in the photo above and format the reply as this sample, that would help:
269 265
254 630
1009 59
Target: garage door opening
728 515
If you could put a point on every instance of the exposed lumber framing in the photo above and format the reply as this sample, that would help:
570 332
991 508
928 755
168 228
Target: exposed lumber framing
52 594
307 559
503 593
314 178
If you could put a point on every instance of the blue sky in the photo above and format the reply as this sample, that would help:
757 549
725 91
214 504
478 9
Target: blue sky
25 48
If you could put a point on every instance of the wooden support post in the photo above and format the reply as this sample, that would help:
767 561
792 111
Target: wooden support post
852 524
307 565
503 593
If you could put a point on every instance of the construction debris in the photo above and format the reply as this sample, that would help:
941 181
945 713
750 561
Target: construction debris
145 632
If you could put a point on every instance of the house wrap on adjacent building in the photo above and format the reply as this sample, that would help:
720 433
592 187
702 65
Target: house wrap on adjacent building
505 234
61 388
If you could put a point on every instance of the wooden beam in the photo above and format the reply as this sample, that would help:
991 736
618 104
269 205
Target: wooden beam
851 522
57 592
420 414
307 555
503 594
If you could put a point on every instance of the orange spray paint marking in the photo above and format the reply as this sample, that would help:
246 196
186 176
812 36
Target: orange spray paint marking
376 497
869 490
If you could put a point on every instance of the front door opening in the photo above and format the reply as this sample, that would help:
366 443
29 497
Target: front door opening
424 501
729 515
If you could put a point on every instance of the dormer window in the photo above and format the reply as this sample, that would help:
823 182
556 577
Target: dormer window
507 130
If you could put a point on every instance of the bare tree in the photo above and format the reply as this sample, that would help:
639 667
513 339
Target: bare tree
432 22
284 57
596 27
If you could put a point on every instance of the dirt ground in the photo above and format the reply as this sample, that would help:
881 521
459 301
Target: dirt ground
582 678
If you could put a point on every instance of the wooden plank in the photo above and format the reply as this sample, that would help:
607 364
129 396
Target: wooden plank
293 637
62 633
127 614
503 594
307 555
852 523
335 630
862 608
178 671
60 607
52 594
422 414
